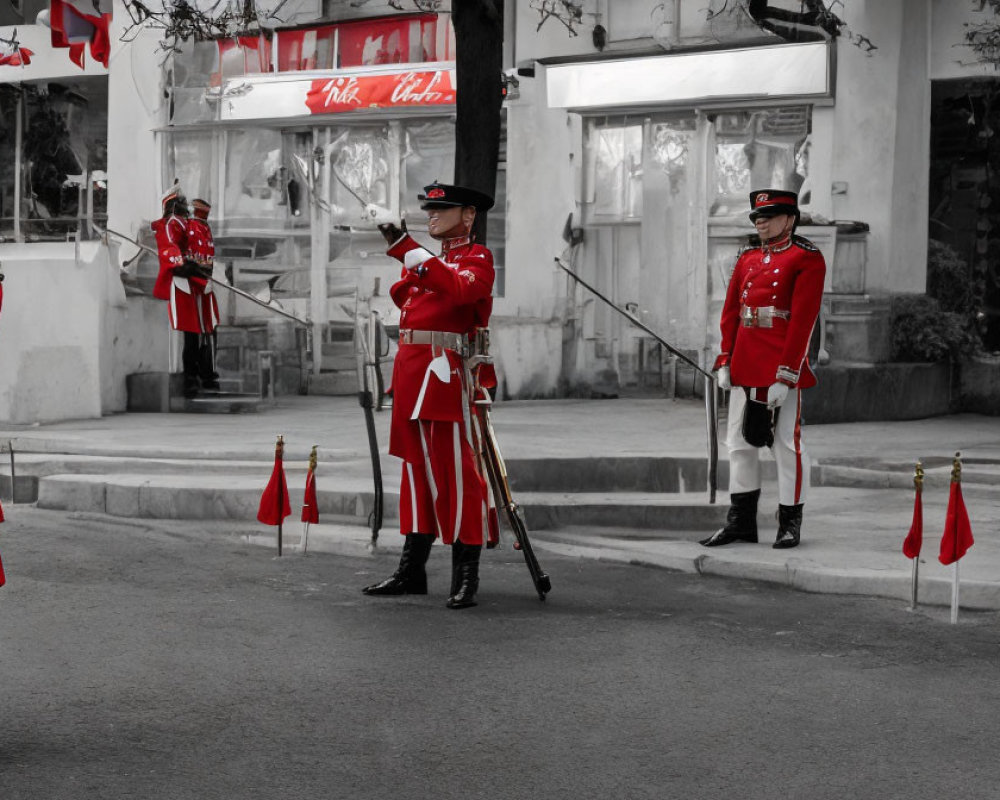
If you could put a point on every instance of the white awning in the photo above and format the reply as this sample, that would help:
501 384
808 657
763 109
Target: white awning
787 71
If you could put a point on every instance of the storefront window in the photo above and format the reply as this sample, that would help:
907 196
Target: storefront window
9 100
614 168
252 195
768 148
61 165
429 156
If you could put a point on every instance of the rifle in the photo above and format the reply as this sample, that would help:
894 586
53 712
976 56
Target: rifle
496 471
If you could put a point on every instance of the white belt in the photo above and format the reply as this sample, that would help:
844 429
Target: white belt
761 316
447 339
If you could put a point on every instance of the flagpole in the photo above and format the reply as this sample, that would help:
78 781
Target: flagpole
954 594
918 485
281 492
305 537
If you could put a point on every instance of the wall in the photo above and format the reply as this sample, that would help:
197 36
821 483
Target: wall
865 133
541 163
50 328
134 331
949 57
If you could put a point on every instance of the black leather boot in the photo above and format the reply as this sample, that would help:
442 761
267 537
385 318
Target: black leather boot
410 576
741 521
465 575
789 526
456 567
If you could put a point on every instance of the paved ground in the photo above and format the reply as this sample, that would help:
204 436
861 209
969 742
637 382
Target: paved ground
855 519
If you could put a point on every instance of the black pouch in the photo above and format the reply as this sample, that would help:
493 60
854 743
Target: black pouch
758 422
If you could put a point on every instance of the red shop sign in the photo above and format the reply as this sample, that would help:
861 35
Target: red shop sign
357 92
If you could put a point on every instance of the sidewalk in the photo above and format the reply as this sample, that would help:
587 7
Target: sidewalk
859 510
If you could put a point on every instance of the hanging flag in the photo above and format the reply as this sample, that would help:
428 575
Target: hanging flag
915 538
310 507
19 57
957 538
274 502
75 24
3 577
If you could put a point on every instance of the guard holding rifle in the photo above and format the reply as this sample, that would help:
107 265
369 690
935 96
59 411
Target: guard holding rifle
445 303
770 310
187 251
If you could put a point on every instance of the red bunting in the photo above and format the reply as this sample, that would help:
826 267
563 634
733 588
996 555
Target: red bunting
3 577
20 57
274 503
957 538
915 538
310 507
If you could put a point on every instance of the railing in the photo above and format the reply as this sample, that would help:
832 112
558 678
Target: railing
711 404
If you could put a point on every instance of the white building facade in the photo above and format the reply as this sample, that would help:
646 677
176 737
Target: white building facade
648 144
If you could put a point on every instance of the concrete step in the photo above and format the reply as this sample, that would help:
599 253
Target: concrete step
234 497
333 383
643 510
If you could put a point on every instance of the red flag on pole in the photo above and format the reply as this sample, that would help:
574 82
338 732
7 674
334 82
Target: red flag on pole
274 502
915 538
957 538
310 507
73 26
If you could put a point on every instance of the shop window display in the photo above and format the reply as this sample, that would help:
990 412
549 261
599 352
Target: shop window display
61 163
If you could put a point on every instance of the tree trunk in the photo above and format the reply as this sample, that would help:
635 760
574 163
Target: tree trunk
479 63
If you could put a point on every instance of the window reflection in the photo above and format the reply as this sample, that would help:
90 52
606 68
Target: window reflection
765 148
59 173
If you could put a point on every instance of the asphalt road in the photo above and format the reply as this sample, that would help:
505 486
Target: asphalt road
147 659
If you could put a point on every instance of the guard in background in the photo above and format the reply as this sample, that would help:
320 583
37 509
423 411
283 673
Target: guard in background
443 301
771 307
186 252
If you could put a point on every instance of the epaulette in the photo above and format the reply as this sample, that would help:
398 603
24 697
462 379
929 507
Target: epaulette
804 243
752 243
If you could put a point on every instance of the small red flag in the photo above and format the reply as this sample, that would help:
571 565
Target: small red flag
274 503
3 578
957 538
310 510
915 538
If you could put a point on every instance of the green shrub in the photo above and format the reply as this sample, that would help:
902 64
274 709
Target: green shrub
923 331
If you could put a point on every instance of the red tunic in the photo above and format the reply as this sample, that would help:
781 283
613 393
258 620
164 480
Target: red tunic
787 276
193 307
451 292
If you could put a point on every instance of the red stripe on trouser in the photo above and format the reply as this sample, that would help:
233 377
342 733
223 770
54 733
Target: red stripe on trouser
444 493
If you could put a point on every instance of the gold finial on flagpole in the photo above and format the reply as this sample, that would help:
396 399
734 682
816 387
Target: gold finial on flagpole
313 459
956 468
918 476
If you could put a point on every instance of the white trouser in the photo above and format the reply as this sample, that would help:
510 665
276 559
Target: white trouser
789 452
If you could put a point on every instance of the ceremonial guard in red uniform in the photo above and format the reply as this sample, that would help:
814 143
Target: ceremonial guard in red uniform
187 252
444 300
771 307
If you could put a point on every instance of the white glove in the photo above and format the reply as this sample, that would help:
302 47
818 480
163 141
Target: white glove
776 394
722 378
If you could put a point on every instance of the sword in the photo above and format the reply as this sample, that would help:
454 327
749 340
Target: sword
367 402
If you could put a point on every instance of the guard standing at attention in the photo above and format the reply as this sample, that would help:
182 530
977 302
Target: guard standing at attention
183 281
443 299
771 307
